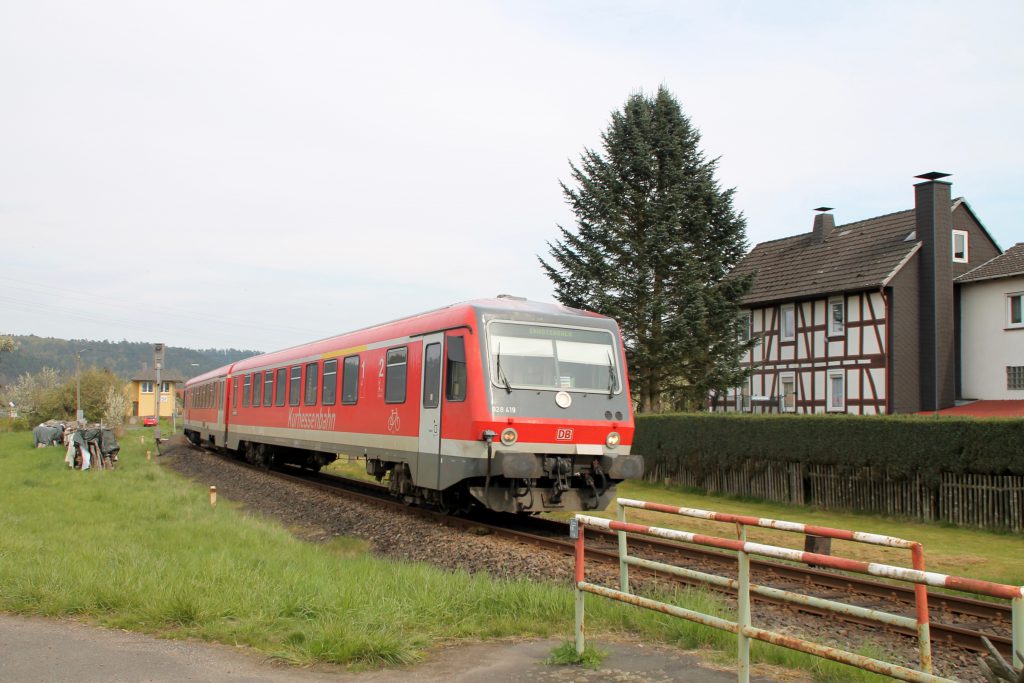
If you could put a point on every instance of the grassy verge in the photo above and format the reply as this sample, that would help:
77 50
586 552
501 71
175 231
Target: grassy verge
140 548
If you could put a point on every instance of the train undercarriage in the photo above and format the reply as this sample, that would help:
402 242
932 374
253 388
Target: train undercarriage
507 481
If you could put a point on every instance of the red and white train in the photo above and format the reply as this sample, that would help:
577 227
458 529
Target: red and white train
515 405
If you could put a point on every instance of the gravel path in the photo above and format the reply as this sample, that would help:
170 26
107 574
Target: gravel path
317 516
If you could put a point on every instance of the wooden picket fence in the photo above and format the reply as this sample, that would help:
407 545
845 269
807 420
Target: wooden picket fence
971 500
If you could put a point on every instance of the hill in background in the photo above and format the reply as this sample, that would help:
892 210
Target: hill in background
123 358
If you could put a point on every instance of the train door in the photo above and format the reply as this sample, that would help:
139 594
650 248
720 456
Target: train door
221 409
428 471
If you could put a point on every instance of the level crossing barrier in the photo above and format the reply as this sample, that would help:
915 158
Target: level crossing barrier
743 627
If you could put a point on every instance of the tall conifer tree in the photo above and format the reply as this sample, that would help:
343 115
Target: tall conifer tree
655 238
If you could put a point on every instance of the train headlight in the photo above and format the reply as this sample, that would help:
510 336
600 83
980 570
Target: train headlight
612 440
508 436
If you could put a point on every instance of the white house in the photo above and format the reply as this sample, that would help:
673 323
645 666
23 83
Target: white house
992 328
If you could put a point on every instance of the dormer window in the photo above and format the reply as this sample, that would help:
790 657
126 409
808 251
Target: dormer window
960 246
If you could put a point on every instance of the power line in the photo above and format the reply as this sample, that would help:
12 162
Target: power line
39 302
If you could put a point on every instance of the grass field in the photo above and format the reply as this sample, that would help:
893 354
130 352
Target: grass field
141 549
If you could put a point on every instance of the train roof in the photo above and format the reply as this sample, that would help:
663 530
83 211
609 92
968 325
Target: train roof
219 372
453 315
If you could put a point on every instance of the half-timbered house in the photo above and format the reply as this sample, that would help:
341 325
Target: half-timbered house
860 318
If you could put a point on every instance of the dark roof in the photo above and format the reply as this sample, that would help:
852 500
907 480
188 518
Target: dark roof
1007 264
853 257
149 375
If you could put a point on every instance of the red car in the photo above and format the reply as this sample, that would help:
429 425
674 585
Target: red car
149 421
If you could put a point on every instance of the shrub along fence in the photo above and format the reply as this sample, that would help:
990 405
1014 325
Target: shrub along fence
962 471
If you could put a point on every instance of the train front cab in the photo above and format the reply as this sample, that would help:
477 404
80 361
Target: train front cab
562 419
522 412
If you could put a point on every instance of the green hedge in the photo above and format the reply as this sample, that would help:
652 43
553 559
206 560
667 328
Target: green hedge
904 445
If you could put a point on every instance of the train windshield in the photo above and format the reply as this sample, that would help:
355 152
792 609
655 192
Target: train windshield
535 356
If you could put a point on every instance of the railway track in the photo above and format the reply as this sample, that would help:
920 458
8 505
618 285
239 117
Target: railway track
963 622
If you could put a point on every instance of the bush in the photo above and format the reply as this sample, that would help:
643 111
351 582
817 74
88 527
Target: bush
14 424
902 445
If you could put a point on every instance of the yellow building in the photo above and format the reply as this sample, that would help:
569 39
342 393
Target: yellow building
142 391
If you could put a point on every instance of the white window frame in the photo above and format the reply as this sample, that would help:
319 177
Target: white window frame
745 325
832 405
146 387
833 329
967 246
783 379
745 405
1009 310
783 309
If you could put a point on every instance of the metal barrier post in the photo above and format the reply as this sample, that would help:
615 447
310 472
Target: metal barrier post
579 593
623 567
743 618
924 638
1017 610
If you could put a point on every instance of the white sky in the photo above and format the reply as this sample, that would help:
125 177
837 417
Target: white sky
260 174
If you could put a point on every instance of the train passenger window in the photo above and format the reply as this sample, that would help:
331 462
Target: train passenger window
330 382
282 377
432 375
257 387
350 381
294 382
311 382
396 375
455 373
268 388
245 391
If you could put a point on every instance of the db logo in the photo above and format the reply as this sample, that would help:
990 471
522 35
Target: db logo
563 434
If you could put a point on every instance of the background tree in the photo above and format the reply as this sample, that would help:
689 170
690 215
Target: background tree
655 238
47 395
116 406
32 394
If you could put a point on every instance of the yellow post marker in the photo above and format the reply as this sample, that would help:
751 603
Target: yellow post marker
213 496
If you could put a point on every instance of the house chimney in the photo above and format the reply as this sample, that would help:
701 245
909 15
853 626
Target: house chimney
824 224
934 225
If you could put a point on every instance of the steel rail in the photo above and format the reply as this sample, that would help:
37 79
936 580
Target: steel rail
949 634
943 602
